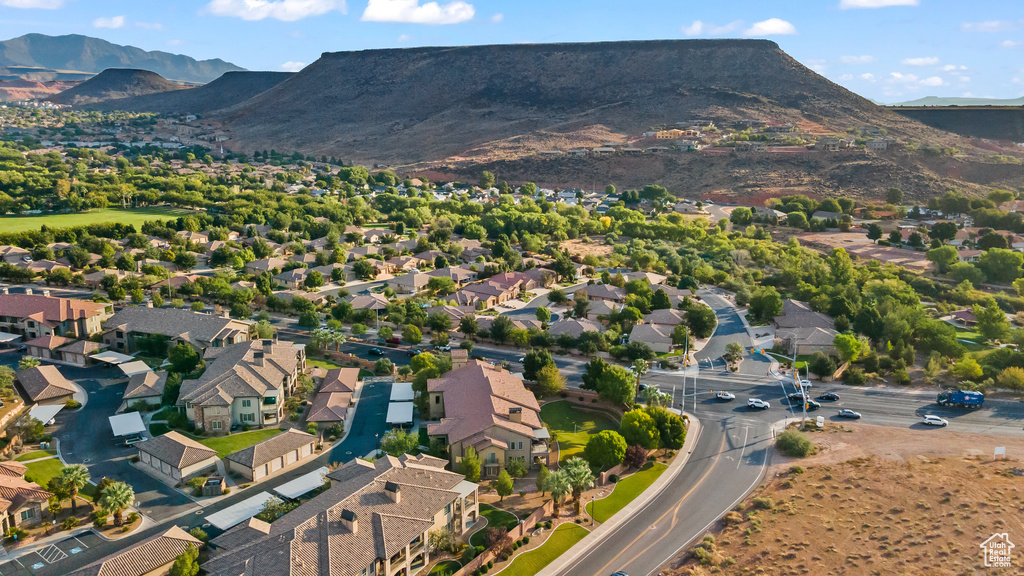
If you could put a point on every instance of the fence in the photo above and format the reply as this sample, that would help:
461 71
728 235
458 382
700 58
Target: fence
516 533
351 359
616 470
589 399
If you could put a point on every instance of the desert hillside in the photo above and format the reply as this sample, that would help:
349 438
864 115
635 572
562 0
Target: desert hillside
115 83
229 90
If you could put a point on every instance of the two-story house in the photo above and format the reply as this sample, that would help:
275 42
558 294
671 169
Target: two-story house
244 384
21 502
487 408
374 520
201 331
36 315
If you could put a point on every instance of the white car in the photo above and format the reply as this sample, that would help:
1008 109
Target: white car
932 420
723 395
521 360
758 403
806 383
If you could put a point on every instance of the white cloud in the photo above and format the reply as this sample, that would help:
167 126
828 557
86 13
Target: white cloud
404 37
899 77
867 76
866 59
173 42
924 61
37 4
293 66
150 25
952 67
112 22
965 79
285 10
933 81
497 17
989 26
846 77
1010 44
848 4
699 28
410 11
770 27
818 66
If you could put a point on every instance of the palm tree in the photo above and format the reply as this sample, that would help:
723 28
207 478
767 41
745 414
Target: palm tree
74 477
337 338
116 498
319 337
640 367
27 362
558 485
580 476
653 397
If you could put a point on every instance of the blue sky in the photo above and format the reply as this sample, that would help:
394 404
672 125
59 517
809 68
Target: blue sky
889 50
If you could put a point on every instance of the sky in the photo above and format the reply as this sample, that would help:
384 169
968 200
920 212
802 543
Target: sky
887 50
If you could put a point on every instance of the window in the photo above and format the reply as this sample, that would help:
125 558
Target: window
247 417
437 399
217 425
511 445
448 510
27 514
120 334
520 445
246 403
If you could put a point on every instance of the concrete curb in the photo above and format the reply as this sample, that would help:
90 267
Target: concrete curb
602 532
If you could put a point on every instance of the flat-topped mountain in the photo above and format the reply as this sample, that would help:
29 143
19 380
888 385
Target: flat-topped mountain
230 89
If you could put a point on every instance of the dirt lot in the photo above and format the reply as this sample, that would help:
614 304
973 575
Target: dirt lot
875 500
595 246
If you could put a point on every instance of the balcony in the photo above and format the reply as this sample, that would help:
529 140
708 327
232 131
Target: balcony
540 448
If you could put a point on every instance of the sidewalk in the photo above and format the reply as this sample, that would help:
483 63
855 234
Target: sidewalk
602 532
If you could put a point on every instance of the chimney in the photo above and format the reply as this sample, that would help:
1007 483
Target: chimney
349 520
393 491
268 346
515 414
28 291
46 292
257 359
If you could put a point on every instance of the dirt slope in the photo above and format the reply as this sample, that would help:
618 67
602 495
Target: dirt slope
115 83
229 90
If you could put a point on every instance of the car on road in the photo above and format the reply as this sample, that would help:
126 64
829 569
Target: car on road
445 347
847 413
619 574
521 360
933 420
413 352
806 383
394 340
795 397
812 406
829 396
758 403
376 351
723 395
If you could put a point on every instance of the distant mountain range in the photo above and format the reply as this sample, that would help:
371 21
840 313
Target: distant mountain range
940 101
46 55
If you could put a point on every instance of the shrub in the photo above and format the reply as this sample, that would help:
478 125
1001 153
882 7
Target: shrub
133 517
526 540
15 533
794 443
199 534
135 460
226 491
69 523
490 564
177 420
796 469
72 404
613 478
854 377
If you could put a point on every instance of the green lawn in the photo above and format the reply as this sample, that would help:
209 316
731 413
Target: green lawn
35 454
625 491
563 538
572 427
447 567
225 445
165 412
325 364
135 216
976 344
495 518
43 471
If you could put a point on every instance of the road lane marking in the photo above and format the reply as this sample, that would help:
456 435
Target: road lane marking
746 432
721 447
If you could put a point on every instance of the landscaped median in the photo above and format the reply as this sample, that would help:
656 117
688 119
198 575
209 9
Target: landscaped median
626 490
565 536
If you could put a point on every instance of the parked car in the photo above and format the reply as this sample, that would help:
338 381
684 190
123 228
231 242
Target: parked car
846 413
829 396
445 347
395 341
723 395
376 351
26 258
758 403
521 360
933 420
412 352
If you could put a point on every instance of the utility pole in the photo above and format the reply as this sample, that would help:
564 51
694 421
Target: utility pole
803 392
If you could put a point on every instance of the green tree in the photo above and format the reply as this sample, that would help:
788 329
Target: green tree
797 220
894 196
967 369
364 269
639 428
1001 266
411 335
504 485
534 361
439 322
542 479
186 564
765 303
470 465
605 449
441 285
486 179
680 335
992 322
874 232
314 280
501 329
580 478
558 485
617 385
733 352
117 497
671 427
821 364
183 358
75 477
741 216
550 381
943 231
398 442
848 347
943 257
1011 378
468 325
28 362
702 320
309 319
543 314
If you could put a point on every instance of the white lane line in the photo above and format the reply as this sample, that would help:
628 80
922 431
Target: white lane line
746 432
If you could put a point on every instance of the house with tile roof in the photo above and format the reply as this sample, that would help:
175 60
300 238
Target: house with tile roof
573 327
489 409
375 518
332 400
244 384
201 331
46 385
150 557
271 455
145 387
605 292
801 330
175 457
78 351
21 501
37 315
657 336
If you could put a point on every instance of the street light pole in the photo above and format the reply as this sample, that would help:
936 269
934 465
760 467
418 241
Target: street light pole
803 392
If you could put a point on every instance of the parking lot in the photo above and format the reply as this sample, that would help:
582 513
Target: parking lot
56 553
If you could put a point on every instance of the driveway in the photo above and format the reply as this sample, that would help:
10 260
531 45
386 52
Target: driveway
86 438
